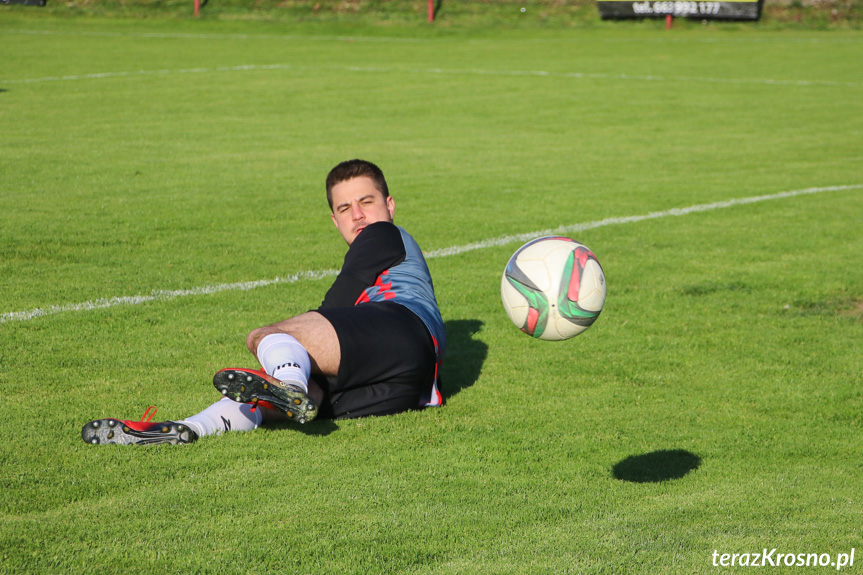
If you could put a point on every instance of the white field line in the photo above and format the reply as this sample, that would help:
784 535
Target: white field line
102 75
601 76
163 295
573 228
439 71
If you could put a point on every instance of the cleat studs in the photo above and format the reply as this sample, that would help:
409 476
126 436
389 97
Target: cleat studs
231 376
290 413
242 389
111 423
249 378
126 429
266 385
111 435
302 420
181 428
224 391
297 401
94 441
95 425
165 429
310 407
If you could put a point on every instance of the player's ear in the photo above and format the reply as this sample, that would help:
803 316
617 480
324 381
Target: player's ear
333 217
391 206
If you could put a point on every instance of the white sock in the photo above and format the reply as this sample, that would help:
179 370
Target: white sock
225 415
283 357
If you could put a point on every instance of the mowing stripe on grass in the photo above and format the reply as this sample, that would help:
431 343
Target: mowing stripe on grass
211 36
325 37
455 72
162 295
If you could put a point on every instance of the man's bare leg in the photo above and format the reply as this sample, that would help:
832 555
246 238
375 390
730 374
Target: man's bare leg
314 332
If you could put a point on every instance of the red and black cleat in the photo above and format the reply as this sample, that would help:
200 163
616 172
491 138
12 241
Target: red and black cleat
256 387
144 432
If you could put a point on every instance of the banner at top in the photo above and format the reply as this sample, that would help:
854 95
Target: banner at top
741 10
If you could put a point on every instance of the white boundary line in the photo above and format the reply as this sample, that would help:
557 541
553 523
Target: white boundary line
161 295
456 72
102 75
600 76
503 240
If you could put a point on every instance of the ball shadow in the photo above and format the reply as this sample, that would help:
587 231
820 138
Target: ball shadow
656 466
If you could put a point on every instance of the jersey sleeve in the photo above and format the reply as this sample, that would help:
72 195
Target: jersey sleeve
377 248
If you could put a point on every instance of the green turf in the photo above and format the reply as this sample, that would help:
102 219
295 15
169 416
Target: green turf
715 405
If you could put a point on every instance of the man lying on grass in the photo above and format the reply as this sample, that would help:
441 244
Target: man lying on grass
373 347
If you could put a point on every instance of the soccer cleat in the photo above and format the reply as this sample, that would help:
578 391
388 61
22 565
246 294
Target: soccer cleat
144 432
259 388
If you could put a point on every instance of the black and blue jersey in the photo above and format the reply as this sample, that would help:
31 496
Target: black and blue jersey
385 264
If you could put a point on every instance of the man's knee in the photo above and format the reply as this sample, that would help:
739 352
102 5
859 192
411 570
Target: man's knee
295 326
255 338
256 335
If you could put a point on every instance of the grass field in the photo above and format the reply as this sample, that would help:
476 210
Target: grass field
161 194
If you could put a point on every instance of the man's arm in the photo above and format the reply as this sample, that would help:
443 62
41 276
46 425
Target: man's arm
377 248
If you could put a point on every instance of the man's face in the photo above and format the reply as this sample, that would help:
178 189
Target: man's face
358 203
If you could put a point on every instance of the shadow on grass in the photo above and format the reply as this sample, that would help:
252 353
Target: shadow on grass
463 357
656 466
319 427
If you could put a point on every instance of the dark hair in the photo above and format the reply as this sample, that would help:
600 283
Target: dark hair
355 169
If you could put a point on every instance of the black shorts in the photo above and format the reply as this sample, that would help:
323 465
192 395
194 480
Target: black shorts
387 361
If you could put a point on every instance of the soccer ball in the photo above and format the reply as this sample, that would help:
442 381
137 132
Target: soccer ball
553 288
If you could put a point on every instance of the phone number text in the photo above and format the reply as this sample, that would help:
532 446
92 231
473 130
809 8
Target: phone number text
679 8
